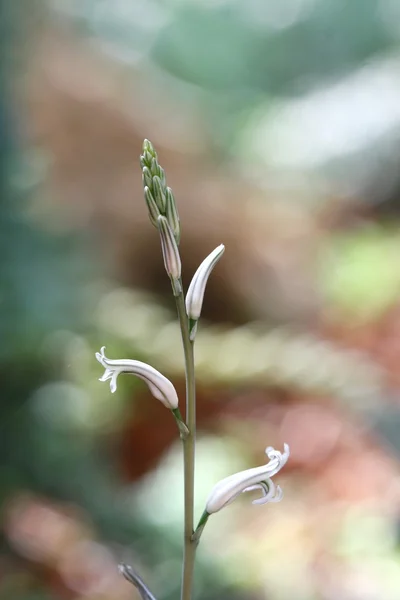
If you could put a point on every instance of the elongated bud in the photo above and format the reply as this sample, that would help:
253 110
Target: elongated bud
154 213
159 386
226 490
195 294
161 174
154 168
148 147
147 158
147 178
171 213
172 260
159 195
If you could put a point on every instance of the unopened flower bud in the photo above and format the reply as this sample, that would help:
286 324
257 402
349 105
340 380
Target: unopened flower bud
159 195
195 294
154 168
147 178
154 213
172 260
149 148
148 158
161 174
171 213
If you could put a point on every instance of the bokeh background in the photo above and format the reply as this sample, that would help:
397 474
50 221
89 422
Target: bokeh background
278 125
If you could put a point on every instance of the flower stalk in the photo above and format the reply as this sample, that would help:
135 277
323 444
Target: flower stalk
189 443
163 214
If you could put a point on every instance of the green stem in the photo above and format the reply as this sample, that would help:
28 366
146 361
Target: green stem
188 451
199 529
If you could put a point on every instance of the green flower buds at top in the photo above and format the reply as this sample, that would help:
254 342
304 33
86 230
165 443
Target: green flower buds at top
159 386
195 294
228 489
156 190
149 148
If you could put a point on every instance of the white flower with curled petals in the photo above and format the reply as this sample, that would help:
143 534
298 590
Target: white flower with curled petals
195 293
226 490
159 386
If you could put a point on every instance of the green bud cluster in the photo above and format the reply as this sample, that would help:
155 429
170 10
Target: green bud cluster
159 198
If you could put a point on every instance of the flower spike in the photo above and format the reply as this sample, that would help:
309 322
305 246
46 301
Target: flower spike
159 386
228 489
195 294
159 198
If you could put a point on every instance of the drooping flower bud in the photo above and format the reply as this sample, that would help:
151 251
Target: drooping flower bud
159 386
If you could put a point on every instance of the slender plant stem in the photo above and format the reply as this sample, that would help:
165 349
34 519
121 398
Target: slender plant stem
188 451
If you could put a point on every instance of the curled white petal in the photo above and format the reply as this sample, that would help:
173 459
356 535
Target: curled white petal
160 386
195 294
226 490
270 492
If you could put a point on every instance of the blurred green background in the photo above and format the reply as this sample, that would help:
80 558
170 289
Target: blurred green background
278 125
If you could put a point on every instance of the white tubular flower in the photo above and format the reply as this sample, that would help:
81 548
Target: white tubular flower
195 294
172 260
159 386
226 490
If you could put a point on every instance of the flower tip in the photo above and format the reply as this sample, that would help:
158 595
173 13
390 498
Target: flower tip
282 457
100 356
147 145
